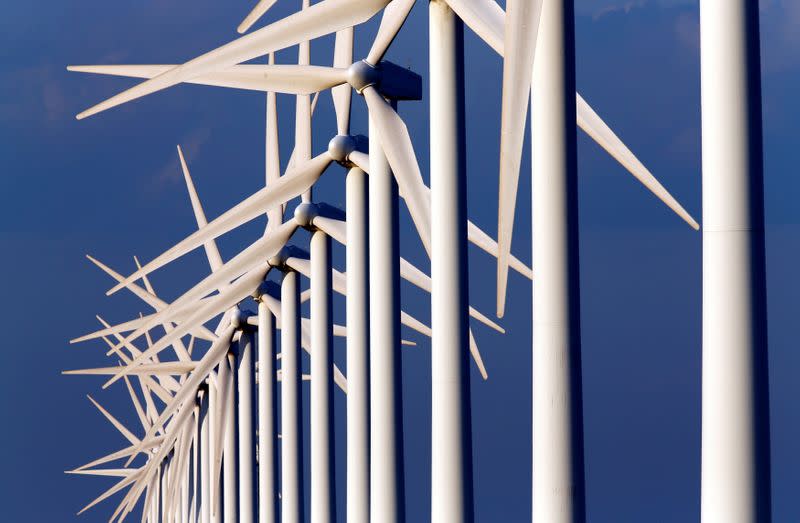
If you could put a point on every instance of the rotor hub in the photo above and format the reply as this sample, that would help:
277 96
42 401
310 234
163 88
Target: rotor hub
340 147
362 75
279 260
239 318
305 213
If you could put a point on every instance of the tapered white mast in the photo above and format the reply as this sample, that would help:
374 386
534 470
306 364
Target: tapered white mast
230 498
291 421
386 416
735 486
451 442
267 414
558 492
323 494
244 404
358 402
205 456
213 491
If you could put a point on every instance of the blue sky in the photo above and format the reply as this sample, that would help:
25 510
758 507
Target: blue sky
111 186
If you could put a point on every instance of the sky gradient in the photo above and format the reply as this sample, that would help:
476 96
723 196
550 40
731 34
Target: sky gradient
111 186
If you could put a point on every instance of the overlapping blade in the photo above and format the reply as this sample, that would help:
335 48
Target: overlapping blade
287 79
223 301
262 249
521 28
151 299
320 19
152 369
252 17
137 406
212 252
484 17
482 240
288 187
115 422
342 94
272 149
394 16
589 121
336 229
189 388
116 329
113 490
360 160
396 143
415 276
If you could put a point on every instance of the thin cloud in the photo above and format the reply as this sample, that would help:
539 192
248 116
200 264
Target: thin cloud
170 174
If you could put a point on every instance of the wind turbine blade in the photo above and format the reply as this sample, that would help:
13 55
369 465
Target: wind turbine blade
301 265
394 16
484 17
396 143
113 490
211 358
116 329
167 367
476 356
521 28
589 121
415 276
137 404
289 186
320 19
342 94
479 238
114 421
272 149
360 160
212 252
252 17
127 451
287 79
148 500
149 298
339 379
262 249
336 229
238 291
165 380
118 473
410 321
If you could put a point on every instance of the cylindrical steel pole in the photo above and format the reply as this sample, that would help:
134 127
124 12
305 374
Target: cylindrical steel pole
291 421
322 450
205 456
214 409
357 347
193 513
267 410
558 478
386 412
451 442
244 402
230 498
735 485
